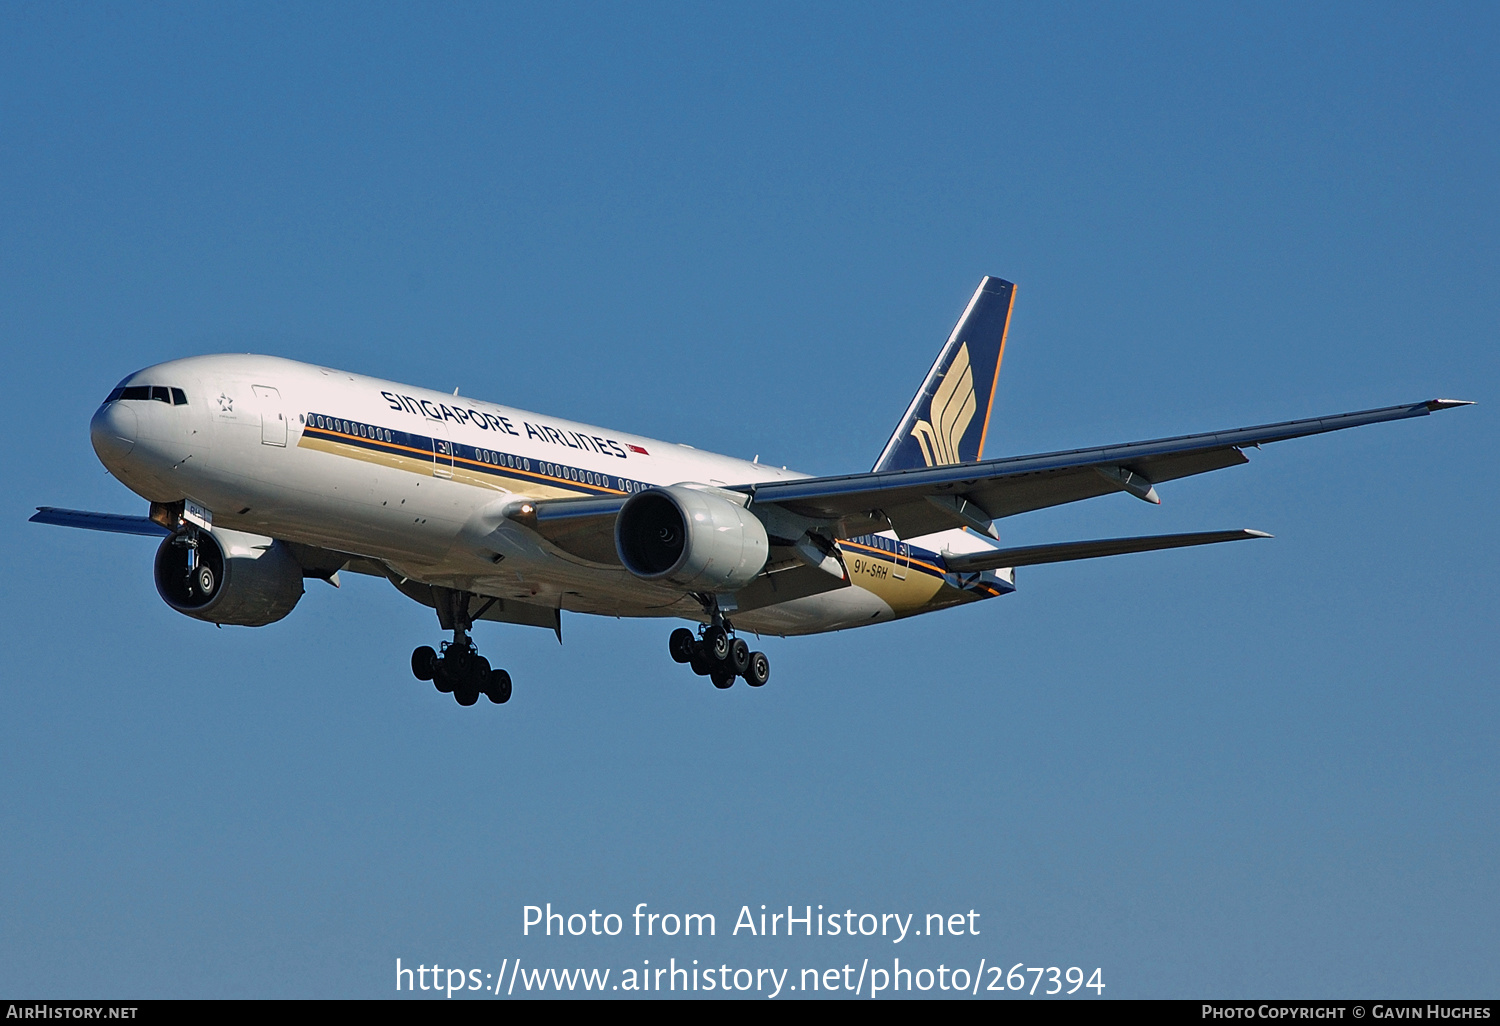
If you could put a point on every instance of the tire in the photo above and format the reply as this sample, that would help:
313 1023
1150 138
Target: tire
465 696
716 644
759 671
440 677
423 663
477 674
722 679
455 660
739 657
680 644
498 690
700 661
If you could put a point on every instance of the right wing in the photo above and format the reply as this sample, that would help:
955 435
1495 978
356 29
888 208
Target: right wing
114 523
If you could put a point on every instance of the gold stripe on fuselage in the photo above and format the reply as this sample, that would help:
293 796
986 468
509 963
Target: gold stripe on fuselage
532 484
397 457
875 570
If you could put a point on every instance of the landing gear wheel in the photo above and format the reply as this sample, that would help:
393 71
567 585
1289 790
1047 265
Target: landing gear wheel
680 644
423 663
716 644
477 673
455 661
722 679
759 670
738 660
457 668
498 689
700 661
204 582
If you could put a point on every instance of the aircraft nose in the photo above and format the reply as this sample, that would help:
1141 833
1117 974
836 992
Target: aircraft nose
113 431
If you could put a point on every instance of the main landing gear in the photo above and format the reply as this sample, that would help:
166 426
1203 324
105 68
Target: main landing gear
719 655
458 669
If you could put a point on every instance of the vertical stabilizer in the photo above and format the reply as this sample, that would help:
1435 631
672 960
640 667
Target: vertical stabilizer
950 416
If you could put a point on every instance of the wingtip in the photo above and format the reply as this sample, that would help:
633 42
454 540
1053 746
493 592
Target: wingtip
1433 405
1251 532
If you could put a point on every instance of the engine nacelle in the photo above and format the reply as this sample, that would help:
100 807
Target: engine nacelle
693 538
251 580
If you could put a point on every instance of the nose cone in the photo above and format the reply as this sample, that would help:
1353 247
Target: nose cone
113 431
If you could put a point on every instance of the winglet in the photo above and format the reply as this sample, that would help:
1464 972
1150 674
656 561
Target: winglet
1433 405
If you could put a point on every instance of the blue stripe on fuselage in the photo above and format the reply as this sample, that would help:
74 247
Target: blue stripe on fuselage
478 459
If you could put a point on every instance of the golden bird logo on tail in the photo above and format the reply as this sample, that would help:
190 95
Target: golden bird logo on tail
952 409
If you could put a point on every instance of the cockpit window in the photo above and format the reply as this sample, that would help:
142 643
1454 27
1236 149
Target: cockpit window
160 393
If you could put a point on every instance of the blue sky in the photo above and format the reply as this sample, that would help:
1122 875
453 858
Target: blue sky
1266 769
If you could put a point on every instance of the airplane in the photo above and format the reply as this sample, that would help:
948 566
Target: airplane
262 472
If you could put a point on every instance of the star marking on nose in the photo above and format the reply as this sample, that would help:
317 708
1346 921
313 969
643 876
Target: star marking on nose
225 403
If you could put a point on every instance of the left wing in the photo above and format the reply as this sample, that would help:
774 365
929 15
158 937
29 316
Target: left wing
927 500
931 499
582 527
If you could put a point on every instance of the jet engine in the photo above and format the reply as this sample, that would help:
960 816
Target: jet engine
698 539
235 578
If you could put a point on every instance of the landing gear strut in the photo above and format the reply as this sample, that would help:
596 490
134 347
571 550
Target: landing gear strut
201 581
717 654
458 668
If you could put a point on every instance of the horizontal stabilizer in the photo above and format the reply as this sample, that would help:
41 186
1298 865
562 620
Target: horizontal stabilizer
1063 551
114 523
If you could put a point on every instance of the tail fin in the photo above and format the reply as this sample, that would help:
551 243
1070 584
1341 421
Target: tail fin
942 424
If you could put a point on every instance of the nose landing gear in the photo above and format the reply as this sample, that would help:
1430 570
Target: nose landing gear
719 656
458 669
201 579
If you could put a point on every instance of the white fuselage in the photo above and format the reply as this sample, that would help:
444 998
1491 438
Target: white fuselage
417 480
